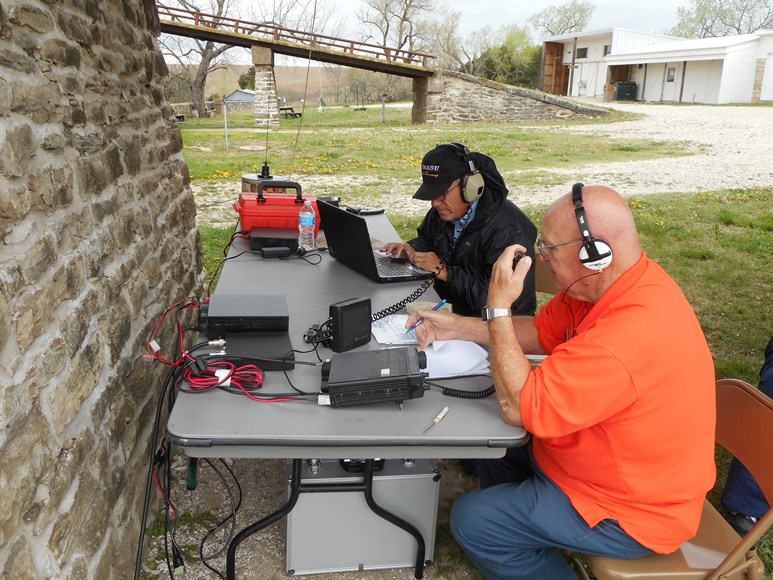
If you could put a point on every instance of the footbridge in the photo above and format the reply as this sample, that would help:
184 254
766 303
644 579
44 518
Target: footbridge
287 41
439 96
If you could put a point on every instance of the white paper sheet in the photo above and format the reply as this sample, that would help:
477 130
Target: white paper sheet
448 358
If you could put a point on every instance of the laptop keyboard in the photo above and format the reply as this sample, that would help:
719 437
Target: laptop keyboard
390 267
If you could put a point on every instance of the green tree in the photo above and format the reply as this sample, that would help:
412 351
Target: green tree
708 18
516 61
247 80
573 16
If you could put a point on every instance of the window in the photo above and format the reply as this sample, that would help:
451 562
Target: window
671 74
607 49
582 52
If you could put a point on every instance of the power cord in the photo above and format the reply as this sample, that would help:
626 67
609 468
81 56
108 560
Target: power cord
462 394
400 305
317 334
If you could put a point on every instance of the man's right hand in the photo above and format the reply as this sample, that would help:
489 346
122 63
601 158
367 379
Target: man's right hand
399 250
437 325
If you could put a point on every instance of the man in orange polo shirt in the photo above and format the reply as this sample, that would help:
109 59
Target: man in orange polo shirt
621 411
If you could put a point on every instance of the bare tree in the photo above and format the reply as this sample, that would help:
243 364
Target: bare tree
573 16
305 15
709 18
396 23
197 58
455 52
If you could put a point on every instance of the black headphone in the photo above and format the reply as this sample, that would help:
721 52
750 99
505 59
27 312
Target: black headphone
596 254
472 183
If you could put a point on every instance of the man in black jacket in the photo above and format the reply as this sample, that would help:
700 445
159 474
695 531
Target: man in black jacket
470 223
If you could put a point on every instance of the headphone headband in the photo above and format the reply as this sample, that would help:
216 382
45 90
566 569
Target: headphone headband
463 152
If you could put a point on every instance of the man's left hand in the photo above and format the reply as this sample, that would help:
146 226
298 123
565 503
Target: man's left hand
430 262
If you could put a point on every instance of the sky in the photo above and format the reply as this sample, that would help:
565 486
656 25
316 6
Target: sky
646 16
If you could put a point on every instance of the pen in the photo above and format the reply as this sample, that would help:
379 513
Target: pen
437 306
438 418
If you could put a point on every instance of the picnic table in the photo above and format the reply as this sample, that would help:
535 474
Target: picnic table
289 112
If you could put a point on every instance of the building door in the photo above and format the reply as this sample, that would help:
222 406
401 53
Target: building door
553 71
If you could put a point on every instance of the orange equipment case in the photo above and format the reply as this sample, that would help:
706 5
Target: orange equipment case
273 207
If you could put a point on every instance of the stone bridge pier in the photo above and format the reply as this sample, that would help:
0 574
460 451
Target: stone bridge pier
266 106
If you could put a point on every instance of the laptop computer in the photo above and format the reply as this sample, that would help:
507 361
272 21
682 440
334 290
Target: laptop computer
348 241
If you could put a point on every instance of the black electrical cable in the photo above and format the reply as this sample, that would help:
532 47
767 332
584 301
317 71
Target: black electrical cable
400 305
168 381
463 394
149 479
219 266
232 517
421 290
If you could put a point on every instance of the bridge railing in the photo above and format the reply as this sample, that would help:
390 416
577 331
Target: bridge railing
280 34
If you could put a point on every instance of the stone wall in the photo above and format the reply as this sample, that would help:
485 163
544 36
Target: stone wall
97 223
460 98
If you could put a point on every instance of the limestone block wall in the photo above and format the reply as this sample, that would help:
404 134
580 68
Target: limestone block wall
98 236
460 98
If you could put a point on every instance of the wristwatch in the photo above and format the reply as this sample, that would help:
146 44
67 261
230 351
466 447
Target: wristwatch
488 313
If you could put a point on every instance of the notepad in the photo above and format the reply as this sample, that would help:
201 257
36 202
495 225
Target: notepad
391 330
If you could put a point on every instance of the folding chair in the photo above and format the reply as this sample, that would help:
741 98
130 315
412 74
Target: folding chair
717 552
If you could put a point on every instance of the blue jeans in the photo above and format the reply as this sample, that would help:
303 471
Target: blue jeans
742 495
516 530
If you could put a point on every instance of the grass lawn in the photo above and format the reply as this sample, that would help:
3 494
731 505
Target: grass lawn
716 244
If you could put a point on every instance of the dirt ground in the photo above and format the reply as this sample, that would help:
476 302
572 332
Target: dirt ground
262 556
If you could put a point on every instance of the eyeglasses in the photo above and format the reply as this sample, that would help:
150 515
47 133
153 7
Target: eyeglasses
453 187
542 246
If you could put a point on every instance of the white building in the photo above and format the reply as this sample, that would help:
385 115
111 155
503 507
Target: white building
729 69
575 64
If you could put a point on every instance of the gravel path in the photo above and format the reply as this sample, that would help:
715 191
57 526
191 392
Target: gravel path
732 146
733 149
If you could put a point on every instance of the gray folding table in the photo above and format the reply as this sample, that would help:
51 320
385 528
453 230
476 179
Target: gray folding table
216 424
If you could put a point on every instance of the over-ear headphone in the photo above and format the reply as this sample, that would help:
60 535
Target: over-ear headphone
595 254
472 183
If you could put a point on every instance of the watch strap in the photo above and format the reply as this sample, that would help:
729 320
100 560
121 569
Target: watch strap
488 313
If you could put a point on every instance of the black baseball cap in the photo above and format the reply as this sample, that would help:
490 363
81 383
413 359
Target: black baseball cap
439 168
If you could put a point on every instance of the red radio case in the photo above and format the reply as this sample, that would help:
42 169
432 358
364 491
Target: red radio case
273 207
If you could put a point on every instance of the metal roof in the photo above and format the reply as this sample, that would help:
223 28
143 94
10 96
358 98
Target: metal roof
691 49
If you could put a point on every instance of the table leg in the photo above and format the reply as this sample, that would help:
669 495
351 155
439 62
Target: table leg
393 519
295 490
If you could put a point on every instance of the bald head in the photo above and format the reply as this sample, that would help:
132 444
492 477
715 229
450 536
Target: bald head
609 218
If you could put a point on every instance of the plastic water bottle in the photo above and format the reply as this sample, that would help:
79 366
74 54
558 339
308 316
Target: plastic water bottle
306 218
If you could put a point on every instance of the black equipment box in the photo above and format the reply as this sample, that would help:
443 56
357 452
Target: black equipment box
273 238
350 324
374 376
272 350
229 313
